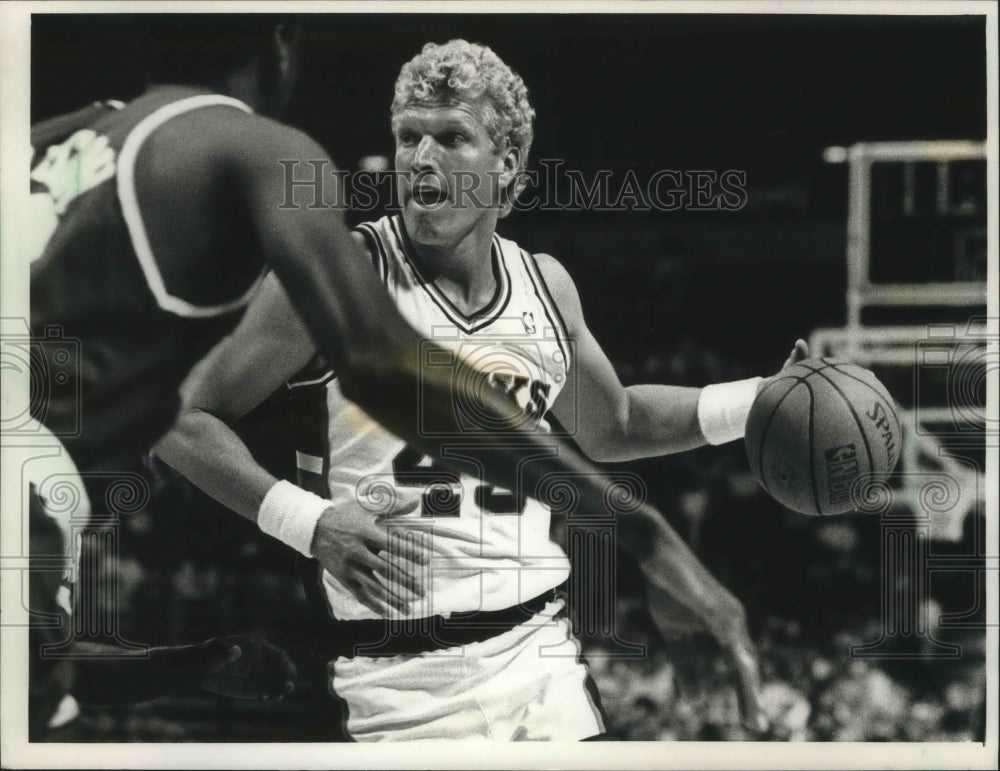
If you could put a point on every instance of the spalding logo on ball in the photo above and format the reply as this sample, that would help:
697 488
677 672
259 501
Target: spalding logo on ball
816 429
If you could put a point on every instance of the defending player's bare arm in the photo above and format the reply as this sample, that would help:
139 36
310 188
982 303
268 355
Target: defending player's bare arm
640 421
674 573
267 349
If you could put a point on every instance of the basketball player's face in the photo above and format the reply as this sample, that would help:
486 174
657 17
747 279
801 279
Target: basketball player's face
449 172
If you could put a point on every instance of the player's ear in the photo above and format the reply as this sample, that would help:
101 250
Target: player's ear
286 40
510 167
511 160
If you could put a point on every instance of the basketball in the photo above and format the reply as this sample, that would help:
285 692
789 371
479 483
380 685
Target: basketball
817 431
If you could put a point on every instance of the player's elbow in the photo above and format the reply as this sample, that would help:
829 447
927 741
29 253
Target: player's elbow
609 449
176 447
608 439
356 375
191 441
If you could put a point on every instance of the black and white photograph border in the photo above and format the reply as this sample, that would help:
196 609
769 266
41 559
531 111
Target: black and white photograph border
846 322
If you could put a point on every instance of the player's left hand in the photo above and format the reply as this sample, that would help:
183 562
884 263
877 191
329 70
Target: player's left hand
247 668
799 352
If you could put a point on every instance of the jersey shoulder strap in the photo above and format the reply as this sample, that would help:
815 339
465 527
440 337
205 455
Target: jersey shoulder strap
537 286
132 214
380 244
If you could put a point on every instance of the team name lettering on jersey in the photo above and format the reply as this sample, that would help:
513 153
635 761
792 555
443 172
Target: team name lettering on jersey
531 396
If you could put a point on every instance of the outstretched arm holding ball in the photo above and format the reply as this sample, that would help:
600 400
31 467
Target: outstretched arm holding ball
649 420
641 421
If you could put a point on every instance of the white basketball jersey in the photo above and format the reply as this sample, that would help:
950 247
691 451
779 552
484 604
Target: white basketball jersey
491 547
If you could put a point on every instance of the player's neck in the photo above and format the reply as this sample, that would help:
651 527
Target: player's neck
242 84
464 272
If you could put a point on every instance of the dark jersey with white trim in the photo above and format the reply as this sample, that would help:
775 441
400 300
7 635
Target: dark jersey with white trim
115 326
492 546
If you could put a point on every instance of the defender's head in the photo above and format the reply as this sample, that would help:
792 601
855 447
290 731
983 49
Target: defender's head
460 112
259 51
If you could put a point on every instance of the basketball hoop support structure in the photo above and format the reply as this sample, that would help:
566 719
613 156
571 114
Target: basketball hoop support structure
940 482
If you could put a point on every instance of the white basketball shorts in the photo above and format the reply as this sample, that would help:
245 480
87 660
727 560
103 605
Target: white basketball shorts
526 684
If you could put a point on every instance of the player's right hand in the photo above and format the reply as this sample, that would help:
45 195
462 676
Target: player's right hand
383 570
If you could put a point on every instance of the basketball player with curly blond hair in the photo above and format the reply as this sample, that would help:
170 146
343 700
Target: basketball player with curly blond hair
152 224
479 647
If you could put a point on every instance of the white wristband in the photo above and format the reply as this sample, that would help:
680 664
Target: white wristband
290 514
723 409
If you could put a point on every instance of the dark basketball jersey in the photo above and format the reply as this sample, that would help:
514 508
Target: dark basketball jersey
115 329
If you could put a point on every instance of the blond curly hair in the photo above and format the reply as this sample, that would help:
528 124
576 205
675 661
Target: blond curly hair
467 71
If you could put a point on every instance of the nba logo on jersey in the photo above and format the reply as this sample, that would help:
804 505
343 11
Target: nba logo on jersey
529 322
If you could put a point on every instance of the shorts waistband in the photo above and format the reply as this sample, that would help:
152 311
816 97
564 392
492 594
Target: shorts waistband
385 637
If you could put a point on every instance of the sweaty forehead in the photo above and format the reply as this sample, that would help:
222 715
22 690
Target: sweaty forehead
440 111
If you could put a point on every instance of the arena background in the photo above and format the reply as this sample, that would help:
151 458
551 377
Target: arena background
679 297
